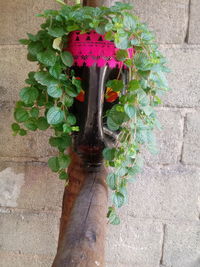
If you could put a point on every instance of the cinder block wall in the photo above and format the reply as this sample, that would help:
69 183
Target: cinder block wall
161 224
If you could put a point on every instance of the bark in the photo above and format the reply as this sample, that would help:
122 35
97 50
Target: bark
83 220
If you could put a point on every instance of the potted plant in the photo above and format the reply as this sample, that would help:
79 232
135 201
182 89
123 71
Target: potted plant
55 94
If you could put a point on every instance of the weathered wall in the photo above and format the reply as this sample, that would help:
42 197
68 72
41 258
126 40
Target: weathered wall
161 224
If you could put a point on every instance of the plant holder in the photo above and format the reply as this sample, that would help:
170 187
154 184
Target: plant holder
94 63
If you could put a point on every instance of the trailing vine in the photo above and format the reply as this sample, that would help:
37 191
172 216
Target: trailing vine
50 91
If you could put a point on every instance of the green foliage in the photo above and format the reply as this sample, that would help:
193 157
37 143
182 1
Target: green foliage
55 115
67 58
50 91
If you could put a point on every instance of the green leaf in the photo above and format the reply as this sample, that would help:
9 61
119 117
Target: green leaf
61 142
32 37
71 91
64 161
121 171
148 110
67 128
160 79
142 97
55 115
44 78
75 128
109 35
67 58
112 216
54 91
42 123
31 57
68 101
77 83
22 132
133 85
56 31
142 62
34 48
130 110
123 6
112 125
118 199
71 119
112 181
30 125
122 55
122 43
34 112
63 175
124 192
129 22
116 85
15 127
53 164
55 71
21 115
48 58
24 41
109 153
72 28
115 220
117 114
29 95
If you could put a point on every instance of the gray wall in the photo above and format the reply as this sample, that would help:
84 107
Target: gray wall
160 225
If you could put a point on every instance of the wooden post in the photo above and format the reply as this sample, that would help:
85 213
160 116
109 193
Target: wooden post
83 220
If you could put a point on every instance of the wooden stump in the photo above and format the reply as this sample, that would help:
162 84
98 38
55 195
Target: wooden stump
83 221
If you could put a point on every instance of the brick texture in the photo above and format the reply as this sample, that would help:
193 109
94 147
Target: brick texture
184 78
29 233
40 188
166 193
194 29
136 243
182 243
14 71
169 138
191 146
168 19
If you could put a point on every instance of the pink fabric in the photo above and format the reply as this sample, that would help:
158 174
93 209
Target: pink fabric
92 48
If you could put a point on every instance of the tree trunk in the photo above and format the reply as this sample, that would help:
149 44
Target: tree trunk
83 220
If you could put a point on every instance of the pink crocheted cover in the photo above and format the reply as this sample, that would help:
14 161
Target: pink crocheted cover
92 48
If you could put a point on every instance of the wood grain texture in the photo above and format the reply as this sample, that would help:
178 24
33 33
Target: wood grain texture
83 221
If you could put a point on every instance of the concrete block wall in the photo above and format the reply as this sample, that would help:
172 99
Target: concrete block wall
161 223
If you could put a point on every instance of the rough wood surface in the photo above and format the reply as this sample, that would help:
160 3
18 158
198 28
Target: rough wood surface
83 222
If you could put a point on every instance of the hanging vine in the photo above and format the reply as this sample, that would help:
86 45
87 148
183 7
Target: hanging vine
50 91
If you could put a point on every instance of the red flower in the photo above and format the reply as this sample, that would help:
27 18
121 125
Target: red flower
110 95
81 96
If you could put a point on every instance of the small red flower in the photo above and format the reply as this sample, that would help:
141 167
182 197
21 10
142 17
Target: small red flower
110 95
81 96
